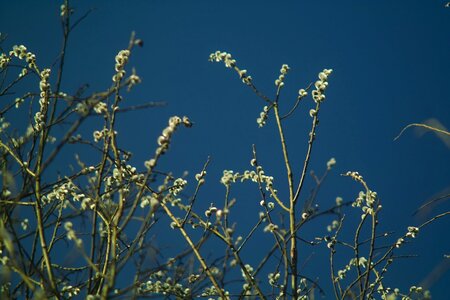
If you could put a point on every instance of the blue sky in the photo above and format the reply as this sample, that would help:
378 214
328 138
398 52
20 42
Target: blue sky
390 62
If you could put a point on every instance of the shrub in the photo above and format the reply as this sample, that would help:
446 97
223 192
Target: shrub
112 212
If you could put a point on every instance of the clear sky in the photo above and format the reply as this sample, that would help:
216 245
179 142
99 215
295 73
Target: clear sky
391 68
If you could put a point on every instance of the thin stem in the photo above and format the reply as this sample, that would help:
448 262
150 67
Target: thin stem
312 136
292 216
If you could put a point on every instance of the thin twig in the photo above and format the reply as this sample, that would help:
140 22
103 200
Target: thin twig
424 126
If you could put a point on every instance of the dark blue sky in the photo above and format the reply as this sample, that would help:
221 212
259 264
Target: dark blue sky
391 65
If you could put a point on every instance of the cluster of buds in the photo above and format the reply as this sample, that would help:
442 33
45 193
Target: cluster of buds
21 53
273 278
18 102
150 164
164 287
219 56
259 176
23 72
367 202
360 262
165 138
193 278
127 171
371 198
44 87
211 210
249 270
412 231
59 193
100 108
111 185
263 117
212 291
121 61
228 177
279 83
321 85
269 205
417 290
178 186
4 60
82 108
229 62
86 202
399 242
334 225
354 175
150 200
359 200
133 80
331 242
98 135
271 228
70 291
25 224
243 76
64 10
71 235
39 119
200 177
4 124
